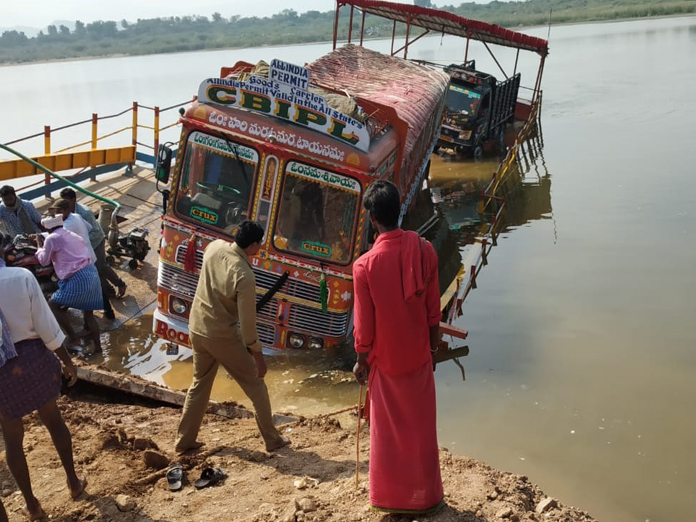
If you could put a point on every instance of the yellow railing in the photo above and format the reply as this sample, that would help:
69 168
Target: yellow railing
466 279
68 158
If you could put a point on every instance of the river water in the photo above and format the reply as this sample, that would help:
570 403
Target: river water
581 332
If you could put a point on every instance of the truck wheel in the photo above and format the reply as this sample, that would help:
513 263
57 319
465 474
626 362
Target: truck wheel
477 152
500 141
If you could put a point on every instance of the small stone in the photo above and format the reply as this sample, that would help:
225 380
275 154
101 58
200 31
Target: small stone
257 456
504 512
142 444
155 460
125 503
6 493
493 495
289 513
6 484
546 504
307 504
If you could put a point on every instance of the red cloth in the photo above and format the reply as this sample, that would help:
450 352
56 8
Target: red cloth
190 257
404 460
397 299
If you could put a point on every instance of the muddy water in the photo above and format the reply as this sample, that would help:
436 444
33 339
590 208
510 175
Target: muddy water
581 330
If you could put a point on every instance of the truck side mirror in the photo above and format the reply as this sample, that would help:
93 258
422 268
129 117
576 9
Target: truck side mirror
164 163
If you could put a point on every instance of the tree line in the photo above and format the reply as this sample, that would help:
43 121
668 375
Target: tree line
192 33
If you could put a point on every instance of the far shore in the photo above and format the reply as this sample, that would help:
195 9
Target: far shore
124 55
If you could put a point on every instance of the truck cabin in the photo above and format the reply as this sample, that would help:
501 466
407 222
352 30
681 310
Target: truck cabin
468 96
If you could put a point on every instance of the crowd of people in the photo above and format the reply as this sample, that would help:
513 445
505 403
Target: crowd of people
70 239
396 330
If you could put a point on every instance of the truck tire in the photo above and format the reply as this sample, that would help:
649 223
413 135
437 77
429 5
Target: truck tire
500 140
477 152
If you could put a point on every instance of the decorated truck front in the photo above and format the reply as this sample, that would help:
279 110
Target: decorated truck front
265 143
477 109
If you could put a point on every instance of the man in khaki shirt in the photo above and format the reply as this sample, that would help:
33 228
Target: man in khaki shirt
222 329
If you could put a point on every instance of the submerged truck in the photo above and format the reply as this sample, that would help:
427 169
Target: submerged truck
477 109
293 147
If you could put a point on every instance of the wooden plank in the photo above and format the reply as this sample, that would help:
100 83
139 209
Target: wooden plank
141 388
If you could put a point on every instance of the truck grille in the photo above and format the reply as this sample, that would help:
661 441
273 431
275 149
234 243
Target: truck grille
266 334
181 255
269 310
291 288
176 281
330 324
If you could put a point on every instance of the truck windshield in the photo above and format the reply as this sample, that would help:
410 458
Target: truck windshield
317 214
217 181
461 100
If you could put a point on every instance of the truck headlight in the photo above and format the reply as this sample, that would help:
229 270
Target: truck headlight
178 306
315 343
296 340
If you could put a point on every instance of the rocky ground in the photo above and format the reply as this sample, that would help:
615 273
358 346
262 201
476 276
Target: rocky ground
124 450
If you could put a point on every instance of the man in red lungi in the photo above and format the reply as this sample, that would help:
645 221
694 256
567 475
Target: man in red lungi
397 317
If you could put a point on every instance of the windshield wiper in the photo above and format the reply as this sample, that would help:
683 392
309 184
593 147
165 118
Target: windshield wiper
235 150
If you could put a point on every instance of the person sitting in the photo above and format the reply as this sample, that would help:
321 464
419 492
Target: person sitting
76 224
17 215
78 285
98 240
32 356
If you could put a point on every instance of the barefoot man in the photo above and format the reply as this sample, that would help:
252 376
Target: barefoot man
397 318
223 332
31 354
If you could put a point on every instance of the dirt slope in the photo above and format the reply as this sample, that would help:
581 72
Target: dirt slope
112 441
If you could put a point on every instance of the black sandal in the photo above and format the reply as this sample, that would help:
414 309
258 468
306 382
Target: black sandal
175 475
209 477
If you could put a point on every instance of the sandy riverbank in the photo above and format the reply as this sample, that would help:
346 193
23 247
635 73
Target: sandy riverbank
111 441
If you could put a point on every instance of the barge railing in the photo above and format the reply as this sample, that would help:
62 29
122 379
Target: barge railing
88 158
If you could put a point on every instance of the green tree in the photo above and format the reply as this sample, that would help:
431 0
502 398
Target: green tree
80 28
423 3
52 30
64 31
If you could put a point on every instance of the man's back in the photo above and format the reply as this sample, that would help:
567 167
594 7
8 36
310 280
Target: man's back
394 305
225 272
96 234
77 225
66 251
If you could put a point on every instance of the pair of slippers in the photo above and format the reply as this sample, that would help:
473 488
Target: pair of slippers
209 477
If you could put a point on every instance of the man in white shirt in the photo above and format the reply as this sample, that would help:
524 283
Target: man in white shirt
78 225
31 353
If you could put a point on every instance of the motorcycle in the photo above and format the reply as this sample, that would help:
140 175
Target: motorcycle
21 252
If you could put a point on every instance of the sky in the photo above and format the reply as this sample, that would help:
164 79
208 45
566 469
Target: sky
40 13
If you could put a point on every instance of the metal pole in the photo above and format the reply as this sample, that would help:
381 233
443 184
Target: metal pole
362 28
47 152
537 85
408 30
466 53
335 38
350 27
134 129
517 57
95 119
495 60
157 129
